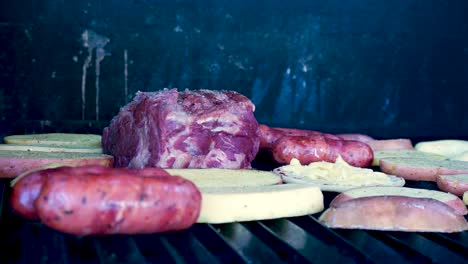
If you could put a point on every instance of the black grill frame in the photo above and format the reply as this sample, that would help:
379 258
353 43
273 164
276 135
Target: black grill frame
288 240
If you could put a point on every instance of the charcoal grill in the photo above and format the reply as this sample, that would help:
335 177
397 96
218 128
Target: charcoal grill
290 240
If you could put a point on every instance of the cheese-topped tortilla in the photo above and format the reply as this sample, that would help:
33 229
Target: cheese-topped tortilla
337 176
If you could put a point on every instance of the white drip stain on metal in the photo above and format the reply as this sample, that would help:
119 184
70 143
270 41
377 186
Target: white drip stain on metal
126 74
92 41
284 99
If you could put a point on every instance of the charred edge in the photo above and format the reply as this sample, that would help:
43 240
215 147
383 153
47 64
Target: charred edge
83 200
143 196
115 224
103 193
172 207
112 205
68 212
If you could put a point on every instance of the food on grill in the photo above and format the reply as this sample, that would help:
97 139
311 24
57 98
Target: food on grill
97 200
456 184
462 156
26 173
321 148
357 137
51 148
445 147
16 147
419 169
394 213
189 129
383 154
269 135
227 177
27 188
13 163
465 198
56 139
225 205
335 177
391 144
447 198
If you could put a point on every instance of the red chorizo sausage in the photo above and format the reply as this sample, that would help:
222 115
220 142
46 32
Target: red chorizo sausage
117 204
26 190
358 137
320 148
269 135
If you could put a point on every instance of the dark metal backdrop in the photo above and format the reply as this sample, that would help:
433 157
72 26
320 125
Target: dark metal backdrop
387 68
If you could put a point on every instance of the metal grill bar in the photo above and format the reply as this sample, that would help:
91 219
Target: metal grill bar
313 226
155 250
79 250
247 244
117 249
376 249
436 252
214 242
402 247
285 251
450 243
190 248
460 237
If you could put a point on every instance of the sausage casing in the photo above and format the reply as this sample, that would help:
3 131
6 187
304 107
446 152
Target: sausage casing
117 204
320 148
269 135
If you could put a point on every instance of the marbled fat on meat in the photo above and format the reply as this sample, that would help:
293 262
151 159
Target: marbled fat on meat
189 129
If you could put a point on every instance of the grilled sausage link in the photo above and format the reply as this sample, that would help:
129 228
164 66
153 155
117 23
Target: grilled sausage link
320 148
269 135
117 203
27 189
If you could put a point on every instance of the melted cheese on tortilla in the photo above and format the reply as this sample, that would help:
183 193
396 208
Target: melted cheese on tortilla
339 172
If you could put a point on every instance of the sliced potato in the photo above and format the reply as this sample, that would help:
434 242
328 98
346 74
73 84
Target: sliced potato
50 148
14 163
48 166
394 213
419 169
56 139
225 205
456 184
390 144
382 154
204 178
447 198
445 147
462 156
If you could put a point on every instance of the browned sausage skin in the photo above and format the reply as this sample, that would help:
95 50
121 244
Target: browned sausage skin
26 190
320 148
124 204
357 137
269 135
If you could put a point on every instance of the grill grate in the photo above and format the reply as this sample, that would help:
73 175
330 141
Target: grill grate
292 240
